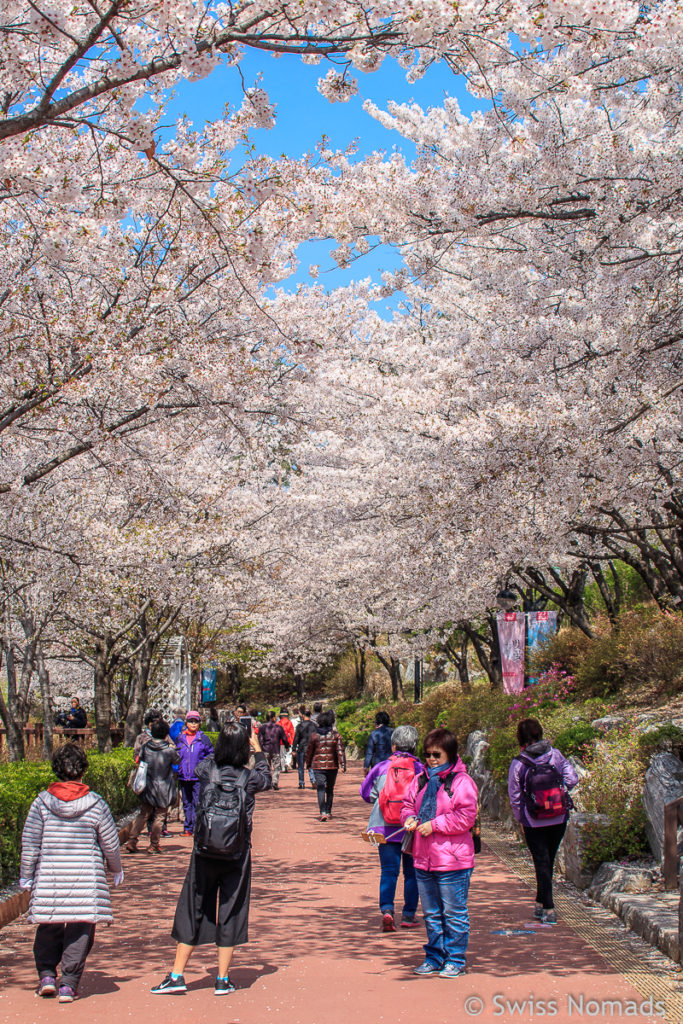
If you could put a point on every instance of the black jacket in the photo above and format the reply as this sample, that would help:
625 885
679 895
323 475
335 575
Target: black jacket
161 779
259 778
302 736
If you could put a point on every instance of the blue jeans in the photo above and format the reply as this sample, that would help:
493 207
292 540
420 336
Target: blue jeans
443 895
390 859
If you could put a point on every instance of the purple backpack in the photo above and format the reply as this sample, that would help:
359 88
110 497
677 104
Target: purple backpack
543 790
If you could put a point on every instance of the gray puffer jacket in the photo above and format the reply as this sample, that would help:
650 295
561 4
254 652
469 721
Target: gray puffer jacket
65 846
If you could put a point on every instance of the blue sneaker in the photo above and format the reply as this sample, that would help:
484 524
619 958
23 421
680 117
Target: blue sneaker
427 968
451 971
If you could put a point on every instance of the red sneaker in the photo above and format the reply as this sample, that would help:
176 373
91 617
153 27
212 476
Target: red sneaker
388 924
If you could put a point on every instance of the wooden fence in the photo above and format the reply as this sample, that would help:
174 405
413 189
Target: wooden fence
33 736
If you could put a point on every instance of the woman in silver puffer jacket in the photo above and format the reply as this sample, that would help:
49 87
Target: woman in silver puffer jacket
69 839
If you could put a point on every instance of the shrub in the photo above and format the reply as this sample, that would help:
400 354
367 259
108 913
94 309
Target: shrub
345 708
21 782
503 748
576 739
665 737
614 787
563 650
483 709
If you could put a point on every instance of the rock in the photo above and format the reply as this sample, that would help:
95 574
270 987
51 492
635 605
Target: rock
490 800
656 922
663 783
607 723
473 740
578 767
578 868
612 877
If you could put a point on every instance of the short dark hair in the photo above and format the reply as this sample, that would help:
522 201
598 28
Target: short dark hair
241 707
283 711
445 740
529 730
306 712
382 718
69 762
318 706
232 746
326 718
159 729
151 716
254 713
270 717
302 710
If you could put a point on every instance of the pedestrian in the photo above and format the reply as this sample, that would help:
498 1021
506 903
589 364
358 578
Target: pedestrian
152 715
325 754
193 747
440 809
69 841
214 902
286 723
302 736
177 725
271 737
385 787
160 755
317 711
539 781
212 723
76 718
379 744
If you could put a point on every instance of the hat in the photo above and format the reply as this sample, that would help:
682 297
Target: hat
193 716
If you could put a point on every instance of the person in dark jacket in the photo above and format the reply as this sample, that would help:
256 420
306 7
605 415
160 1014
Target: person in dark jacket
76 718
302 737
543 837
161 756
193 746
214 902
379 744
326 755
271 737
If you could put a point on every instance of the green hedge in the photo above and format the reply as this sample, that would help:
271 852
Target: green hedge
21 782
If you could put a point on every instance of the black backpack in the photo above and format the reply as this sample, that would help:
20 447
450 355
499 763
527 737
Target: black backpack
221 827
475 831
544 792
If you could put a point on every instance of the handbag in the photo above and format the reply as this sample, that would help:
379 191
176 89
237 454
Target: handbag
407 843
140 780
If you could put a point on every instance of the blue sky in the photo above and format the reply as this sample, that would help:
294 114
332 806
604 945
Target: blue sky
304 116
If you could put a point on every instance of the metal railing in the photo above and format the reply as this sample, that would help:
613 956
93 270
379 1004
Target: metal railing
33 735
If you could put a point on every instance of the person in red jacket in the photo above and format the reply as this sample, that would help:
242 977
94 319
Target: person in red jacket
285 721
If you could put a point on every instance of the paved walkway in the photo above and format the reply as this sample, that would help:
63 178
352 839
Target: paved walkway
316 955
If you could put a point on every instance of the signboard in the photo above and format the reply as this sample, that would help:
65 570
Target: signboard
511 641
540 626
208 685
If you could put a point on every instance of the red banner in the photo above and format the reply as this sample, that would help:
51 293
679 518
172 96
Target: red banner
511 641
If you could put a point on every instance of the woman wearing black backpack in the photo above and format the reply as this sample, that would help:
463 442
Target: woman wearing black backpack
539 781
224 876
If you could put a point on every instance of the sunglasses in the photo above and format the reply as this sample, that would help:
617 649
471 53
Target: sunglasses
434 753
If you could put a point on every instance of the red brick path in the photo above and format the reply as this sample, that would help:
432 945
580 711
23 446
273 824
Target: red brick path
316 955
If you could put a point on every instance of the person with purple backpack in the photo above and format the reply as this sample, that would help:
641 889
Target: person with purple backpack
193 746
539 781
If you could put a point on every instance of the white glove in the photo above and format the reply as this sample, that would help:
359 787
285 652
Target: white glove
118 878
25 883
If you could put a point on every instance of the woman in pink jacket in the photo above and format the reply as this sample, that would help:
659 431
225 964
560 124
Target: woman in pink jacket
440 808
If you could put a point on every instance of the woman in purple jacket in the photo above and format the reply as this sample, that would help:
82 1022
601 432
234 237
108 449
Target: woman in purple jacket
543 834
440 808
193 746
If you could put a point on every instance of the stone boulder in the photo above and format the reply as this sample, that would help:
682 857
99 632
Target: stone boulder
473 743
663 783
612 877
578 869
607 723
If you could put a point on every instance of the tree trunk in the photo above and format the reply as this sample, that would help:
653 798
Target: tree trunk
232 671
103 673
139 693
359 664
48 710
397 692
300 681
487 649
15 711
